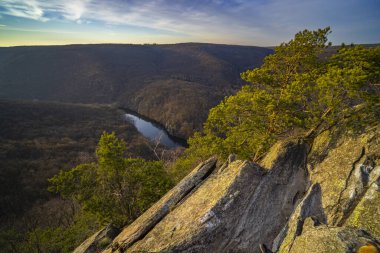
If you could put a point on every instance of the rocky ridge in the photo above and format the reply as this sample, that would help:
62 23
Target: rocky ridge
305 196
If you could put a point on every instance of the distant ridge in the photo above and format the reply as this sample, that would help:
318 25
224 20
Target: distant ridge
173 84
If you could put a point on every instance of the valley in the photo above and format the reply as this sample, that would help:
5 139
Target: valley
37 139
174 85
56 101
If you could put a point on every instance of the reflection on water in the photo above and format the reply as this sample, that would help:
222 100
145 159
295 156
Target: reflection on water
152 131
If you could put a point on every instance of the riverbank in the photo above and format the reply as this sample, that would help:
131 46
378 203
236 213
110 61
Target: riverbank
153 130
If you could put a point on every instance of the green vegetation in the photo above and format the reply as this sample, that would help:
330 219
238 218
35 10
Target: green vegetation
49 239
115 189
295 91
37 139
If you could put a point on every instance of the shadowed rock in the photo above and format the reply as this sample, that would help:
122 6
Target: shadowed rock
98 241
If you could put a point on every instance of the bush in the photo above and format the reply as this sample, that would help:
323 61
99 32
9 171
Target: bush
115 189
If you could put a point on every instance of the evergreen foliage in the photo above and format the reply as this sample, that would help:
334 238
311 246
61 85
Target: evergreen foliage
115 189
295 90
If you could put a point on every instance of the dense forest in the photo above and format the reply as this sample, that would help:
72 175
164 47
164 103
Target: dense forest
156 81
37 140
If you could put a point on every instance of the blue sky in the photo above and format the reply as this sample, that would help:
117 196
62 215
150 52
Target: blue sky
244 22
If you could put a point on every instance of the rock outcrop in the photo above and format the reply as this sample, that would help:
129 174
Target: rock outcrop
340 212
98 241
316 196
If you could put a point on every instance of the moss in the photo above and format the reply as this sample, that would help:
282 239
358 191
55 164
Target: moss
321 142
366 213
274 152
317 240
104 242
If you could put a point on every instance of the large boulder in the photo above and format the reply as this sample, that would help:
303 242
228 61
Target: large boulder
342 163
342 206
229 211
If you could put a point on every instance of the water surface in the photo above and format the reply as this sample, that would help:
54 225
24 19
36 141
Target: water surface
153 131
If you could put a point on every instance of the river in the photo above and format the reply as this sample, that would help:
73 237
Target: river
153 131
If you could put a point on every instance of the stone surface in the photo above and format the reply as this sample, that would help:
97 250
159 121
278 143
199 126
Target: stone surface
299 199
366 214
213 211
98 241
325 239
310 206
269 207
229 212
345 177
343 172
142 225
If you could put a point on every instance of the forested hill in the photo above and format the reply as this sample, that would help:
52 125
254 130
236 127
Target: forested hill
175 85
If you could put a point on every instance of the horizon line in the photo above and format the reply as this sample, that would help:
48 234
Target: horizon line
162 44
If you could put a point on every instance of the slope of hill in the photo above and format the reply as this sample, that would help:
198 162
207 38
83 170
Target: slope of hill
154 80
37 139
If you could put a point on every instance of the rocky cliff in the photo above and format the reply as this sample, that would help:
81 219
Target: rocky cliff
320 195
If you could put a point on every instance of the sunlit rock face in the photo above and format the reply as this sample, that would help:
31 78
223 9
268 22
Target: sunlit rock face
228 210
340 212
318 195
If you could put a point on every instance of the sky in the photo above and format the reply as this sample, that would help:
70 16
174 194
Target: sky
240 22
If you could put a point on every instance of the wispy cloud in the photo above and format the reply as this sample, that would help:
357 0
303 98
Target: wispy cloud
197 18
73 10
25 9
237 21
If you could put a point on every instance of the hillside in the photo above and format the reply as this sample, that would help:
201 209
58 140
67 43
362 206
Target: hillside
175 85
37 139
